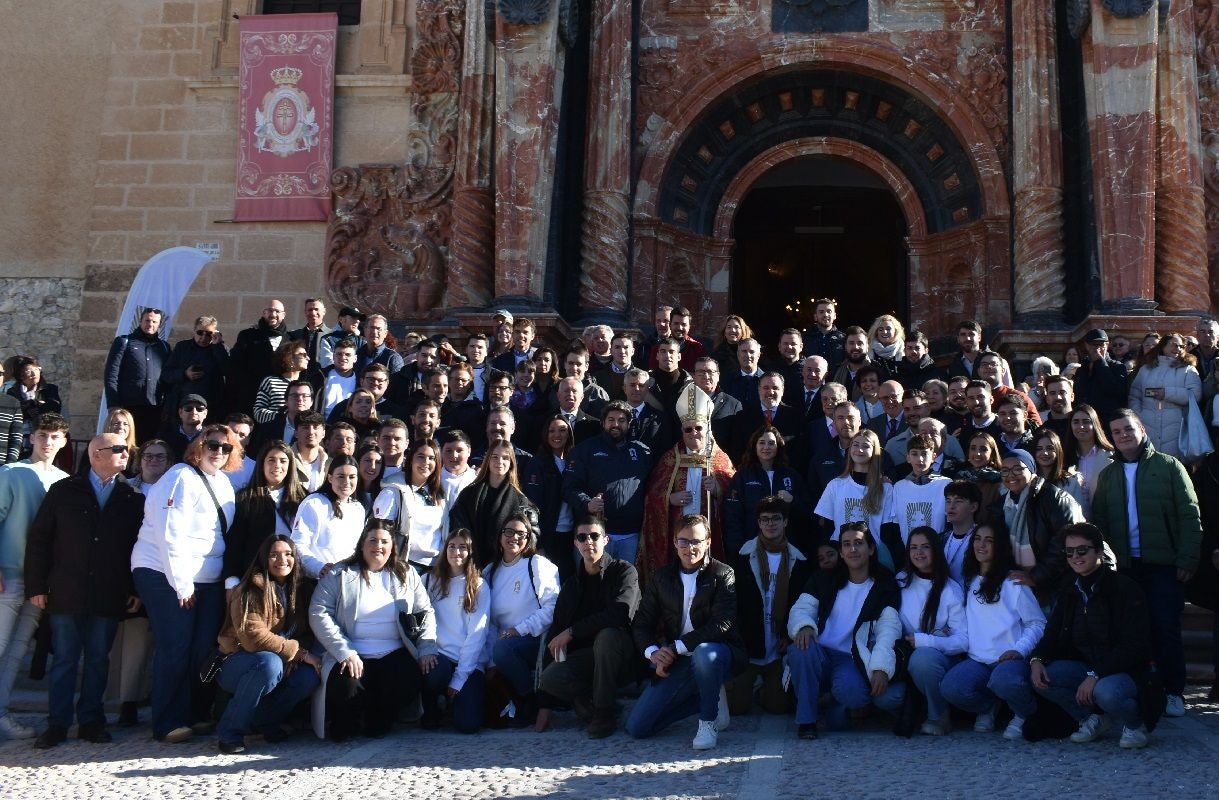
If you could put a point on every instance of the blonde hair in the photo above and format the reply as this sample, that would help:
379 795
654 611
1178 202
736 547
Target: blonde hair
875 494
194 450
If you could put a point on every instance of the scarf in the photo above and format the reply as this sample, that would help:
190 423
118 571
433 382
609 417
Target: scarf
778 607
267 330
1015 513
892 352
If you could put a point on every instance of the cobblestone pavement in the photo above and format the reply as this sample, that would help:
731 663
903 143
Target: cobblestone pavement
759 757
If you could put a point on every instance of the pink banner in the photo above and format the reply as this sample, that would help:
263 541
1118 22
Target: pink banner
285 117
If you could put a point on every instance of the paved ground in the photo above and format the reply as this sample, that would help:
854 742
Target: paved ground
758 758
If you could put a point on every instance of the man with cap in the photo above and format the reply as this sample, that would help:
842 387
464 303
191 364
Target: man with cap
1100 381
350 320
192 412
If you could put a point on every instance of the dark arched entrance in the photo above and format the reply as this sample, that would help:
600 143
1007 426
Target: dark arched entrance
817 226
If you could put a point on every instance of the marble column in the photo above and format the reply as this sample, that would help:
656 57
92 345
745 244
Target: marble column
1120 82
528 85
472 259
1040 273
1181 269
606 233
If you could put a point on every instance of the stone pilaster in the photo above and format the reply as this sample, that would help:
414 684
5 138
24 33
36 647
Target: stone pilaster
1039 272
605 240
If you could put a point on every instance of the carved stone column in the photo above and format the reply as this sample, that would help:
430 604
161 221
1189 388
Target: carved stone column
1040 274
1181 269
472 262
606 233
528 84
1120 82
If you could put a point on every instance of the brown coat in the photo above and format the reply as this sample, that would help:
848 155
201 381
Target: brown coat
250 632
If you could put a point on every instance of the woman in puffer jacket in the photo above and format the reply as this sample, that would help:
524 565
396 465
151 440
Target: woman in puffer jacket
1167 379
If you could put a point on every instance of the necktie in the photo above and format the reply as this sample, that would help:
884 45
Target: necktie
770 416
891 429
808 399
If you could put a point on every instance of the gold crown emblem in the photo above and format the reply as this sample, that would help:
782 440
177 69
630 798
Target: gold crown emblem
286 76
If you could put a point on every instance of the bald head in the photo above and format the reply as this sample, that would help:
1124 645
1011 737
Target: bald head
103 460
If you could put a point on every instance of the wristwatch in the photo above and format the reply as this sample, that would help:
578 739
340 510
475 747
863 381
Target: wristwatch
1092 674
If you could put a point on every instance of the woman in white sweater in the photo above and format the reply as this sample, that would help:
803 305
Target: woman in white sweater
329 522
462 607
1005 623
1160 392
933 623
176 565
524 588
417 508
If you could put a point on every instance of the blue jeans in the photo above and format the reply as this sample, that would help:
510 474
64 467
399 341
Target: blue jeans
693 685
467 705
262 695
18 621
1165 602
517 657
72 634
181 639
624 546
1116 694
812 669
975 687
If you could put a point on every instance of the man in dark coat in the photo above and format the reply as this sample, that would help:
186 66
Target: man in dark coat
78 568
252 357
198 365
133 373
590 636
1100 381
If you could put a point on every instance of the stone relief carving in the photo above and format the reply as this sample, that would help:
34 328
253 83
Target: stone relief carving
388 236
524 12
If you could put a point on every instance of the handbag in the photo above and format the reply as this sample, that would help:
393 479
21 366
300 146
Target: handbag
211 665
1195 439
412 624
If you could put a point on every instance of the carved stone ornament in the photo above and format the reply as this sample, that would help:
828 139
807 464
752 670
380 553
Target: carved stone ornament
1128 9
524 12
1079 15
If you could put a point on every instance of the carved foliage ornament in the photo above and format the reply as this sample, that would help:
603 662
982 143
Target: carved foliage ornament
524 12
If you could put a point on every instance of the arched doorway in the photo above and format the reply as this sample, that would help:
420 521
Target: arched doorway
817 226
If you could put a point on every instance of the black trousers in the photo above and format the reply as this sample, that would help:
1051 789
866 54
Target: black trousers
594 673
371 703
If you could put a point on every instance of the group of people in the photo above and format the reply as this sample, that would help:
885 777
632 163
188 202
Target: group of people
328 528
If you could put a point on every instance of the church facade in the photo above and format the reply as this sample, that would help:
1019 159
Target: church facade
1041 166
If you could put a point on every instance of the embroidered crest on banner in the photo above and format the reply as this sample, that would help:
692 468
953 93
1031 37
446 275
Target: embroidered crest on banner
286 123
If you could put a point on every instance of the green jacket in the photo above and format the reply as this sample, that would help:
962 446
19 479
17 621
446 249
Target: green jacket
1170 528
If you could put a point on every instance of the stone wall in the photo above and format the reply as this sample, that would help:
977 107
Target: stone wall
40 319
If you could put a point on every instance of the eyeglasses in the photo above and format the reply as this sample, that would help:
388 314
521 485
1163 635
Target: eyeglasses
588 537
194 407
218 447
114 448
686 544
513 533
770 519
1005 471
1082 550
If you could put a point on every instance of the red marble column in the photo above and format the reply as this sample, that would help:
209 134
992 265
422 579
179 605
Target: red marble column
528 84
1120 83
1039 271
472 256
605 239
1181 268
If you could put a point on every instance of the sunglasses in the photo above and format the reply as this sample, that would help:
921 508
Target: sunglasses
588 537
205 333
509 533
193 407
1082 550
686 544
114 448
218 447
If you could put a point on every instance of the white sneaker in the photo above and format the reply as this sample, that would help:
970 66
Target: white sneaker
1133 738
936 727
12 729
985 723
1091 729
1015 730
706 737
722 718
1174 706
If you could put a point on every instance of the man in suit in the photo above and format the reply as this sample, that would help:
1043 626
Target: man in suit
314 330
813 370
767 408
893 421
686 627
571 395
829 461
821 431
724 407
649 424
743 384
790 365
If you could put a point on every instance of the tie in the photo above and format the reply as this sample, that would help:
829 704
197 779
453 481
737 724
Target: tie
891 429
808 399
770 416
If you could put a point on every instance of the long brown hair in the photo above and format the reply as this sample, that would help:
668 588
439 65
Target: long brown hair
482 475
396 563
264 600
442 571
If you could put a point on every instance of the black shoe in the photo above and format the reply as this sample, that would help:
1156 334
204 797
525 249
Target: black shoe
603 724
806 730
129 714
231 748
203 727
97 734
274 734
585 711
50 737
